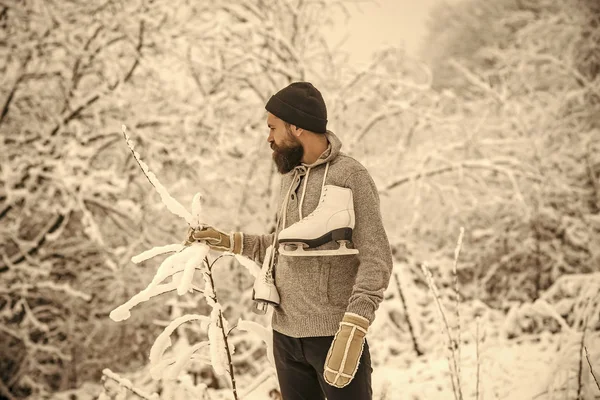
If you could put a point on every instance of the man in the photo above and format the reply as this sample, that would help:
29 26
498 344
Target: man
326 302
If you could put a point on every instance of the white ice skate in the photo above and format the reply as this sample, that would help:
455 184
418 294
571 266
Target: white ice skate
332 220
264 292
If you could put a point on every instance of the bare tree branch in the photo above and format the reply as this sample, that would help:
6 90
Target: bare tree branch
138 50
587 356
37 242
95 97
469 164
12 92
108 374
592 173
76 74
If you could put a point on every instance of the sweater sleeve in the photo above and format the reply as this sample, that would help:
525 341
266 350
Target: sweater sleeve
371 240
255 246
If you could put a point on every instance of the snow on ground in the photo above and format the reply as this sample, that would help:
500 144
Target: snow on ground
501 366
518 369
530 366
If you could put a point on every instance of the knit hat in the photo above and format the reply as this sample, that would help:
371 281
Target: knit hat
300 104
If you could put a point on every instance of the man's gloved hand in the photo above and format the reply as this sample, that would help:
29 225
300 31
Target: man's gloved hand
215 239
345 351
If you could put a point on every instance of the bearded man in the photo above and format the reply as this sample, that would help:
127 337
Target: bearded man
327 301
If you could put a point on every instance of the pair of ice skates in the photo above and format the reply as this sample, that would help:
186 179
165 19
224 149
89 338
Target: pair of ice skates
332 220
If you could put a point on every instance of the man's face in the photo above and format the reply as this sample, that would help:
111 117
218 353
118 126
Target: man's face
287 149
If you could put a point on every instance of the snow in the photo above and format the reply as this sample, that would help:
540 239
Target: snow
183 358
194 262
123 384
170 265
218 353
172 205
264 333
508 369
187 260
123 311
252 267
156 251
163 341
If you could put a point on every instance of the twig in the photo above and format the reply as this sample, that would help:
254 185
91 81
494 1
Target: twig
135 156
472 164
11 95
76 74
595 180
65 119
457 294
381 116
107 373
587 357
222 326
108 207
39 241
477 357
172 205
73 114
406 316
444 320
138 49
64 287
477 81
580 369
452 376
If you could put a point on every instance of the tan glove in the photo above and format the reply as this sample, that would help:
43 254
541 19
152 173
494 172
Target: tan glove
345 350
216 240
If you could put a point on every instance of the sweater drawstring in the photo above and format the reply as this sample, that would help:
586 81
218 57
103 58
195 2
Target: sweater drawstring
282 215
303 192
304 187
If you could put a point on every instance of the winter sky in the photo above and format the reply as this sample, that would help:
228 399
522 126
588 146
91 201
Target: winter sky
373 24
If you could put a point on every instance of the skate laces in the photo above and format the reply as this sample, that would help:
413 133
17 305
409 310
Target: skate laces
312 214
323 194
268 277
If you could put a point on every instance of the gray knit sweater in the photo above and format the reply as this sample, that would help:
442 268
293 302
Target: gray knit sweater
316 291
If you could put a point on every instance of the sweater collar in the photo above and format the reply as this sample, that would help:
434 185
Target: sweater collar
332 151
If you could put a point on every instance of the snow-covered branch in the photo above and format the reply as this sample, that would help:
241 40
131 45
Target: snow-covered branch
172 205
124 383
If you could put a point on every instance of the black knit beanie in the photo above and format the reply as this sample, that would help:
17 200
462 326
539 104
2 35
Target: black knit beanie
300 104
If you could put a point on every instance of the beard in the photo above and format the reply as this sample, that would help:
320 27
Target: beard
287 156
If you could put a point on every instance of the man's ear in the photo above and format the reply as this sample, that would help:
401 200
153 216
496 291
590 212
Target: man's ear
297 131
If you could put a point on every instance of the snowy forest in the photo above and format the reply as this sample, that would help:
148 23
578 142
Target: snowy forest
485 150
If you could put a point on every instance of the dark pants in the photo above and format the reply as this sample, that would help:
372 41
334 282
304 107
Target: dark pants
300 363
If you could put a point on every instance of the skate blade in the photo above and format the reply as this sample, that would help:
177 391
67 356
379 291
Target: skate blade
259 311
270 301
267 299
260 307
316 253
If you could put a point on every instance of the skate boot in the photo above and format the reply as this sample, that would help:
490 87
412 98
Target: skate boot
264 291
332 220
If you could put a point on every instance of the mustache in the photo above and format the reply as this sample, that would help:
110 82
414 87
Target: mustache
275 147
